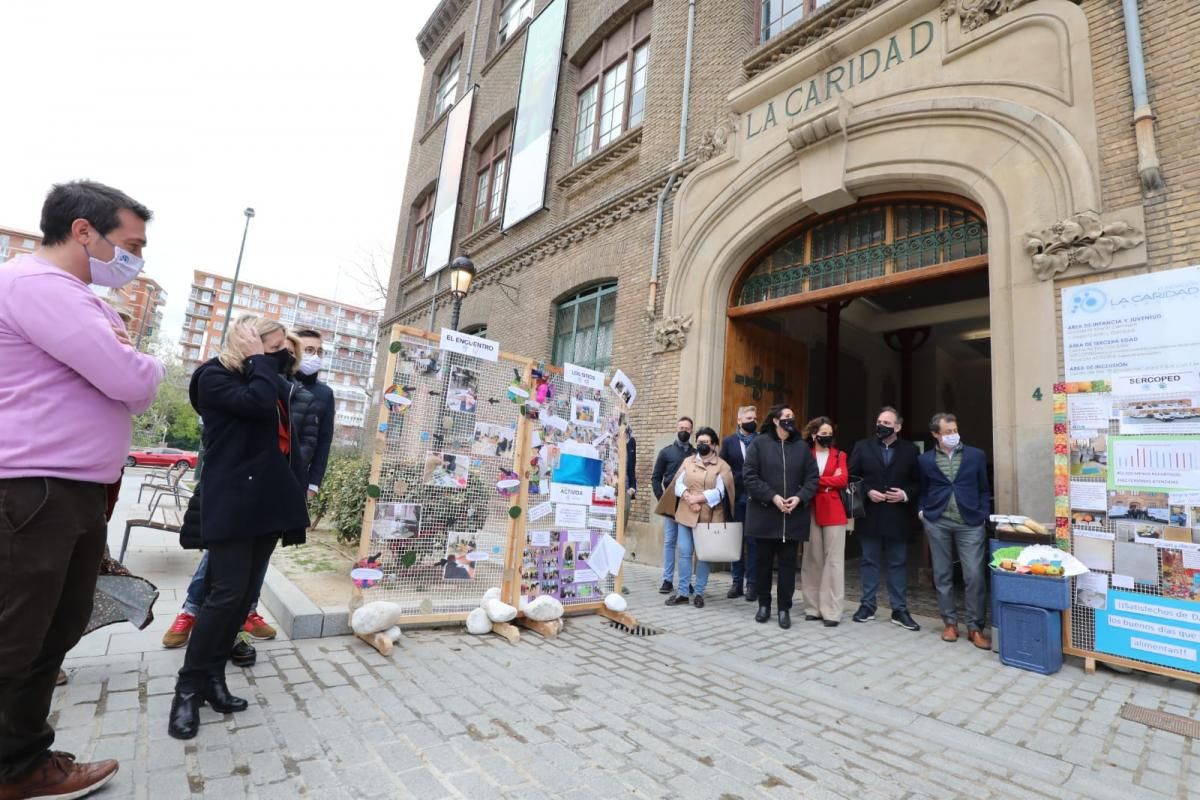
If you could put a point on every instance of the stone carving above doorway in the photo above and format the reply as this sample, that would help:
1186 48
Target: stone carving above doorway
1082 239
670 333
975 13
714 142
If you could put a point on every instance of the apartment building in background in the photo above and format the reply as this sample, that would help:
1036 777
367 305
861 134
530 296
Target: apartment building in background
143 299
348 333
15 242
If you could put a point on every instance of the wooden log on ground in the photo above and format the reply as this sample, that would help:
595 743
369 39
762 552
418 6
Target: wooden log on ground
547 630
623 617
380 641
507 631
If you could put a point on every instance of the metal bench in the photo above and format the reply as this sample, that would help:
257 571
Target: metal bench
171 522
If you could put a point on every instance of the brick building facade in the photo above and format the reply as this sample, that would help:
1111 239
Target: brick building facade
809 120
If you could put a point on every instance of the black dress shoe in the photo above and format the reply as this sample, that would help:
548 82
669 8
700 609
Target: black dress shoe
785 620
698 600
734 592
676 600
764 614
665 588
811 617
185 715
217 695
243 653
751 594
830 623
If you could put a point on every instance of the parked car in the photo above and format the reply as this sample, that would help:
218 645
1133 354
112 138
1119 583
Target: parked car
160 457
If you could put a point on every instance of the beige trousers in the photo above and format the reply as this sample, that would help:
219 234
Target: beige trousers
822 571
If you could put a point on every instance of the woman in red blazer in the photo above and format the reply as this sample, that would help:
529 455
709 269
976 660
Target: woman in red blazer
822 570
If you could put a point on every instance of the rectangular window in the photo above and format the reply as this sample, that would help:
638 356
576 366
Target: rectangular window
779 15
612 116
512 14
482 195
498 171
585 128
489 177
226 285
447 86
583 328
637 95
419 243
209 282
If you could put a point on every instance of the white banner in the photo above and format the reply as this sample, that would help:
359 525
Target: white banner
445 206
468 345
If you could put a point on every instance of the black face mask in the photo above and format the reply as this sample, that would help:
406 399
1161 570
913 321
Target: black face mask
883 431
683 436
824 441
750 427
788 425
704 448
283 360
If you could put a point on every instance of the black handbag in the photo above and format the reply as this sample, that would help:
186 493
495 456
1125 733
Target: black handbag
853 498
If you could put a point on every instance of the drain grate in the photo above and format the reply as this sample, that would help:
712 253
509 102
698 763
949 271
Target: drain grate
1164 721
641 629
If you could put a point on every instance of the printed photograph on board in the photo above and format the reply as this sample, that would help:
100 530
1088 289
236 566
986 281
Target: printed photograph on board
446 470
1181 415
492 440
418 359
458 565
585 413
1088 518
397 520
1089 457
462 392
1179 580
1149 506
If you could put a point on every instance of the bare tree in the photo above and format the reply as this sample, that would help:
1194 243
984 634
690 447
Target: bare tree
370 272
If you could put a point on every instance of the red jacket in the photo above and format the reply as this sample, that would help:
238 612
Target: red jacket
827 505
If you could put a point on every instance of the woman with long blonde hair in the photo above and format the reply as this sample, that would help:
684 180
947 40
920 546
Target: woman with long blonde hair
248 498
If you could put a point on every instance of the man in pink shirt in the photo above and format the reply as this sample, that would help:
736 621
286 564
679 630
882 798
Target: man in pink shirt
69 386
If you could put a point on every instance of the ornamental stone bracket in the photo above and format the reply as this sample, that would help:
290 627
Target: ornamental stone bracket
670 333
1081 240
713 143
832 122
973 14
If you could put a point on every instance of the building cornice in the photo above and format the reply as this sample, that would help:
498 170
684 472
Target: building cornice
438 25
823 22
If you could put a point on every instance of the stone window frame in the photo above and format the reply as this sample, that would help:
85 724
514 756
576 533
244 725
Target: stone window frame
612 69
777 16
525 10
418 237
493 160
443 82
575 301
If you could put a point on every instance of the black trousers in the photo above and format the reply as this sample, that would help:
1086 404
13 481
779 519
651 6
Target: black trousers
767 551
52 534
229 586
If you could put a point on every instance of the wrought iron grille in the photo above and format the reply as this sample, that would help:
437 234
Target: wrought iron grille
864 244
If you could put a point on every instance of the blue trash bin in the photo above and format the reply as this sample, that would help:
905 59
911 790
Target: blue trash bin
1032 638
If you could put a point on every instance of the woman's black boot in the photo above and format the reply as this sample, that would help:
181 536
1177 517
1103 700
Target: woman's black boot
216 693
185 714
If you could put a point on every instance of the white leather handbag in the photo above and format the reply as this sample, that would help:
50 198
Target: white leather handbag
718 541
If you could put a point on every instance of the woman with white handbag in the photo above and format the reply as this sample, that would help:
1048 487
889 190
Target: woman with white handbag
703 484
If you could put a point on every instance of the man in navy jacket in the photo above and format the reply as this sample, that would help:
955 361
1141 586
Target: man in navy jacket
955 502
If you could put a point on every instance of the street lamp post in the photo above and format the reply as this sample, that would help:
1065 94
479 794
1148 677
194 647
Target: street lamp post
249 212
462 271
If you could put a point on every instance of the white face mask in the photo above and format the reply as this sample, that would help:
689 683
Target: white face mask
122 269
310 364
950 440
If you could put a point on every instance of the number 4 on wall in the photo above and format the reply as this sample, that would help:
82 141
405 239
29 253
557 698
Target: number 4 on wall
1037 394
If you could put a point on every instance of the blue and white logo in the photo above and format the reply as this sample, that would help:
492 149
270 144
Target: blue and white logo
1088 300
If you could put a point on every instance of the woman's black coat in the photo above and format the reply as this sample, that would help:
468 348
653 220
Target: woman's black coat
248 487
778 467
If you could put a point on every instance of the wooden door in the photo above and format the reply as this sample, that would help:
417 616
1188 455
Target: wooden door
762 368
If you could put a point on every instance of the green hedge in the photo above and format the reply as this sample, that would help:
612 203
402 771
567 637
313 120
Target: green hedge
343 496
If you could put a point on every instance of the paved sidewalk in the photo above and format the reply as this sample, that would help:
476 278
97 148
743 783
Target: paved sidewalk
715 706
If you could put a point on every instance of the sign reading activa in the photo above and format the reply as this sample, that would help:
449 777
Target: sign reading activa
858 69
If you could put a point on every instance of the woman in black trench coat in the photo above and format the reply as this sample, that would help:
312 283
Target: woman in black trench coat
248 498
781 480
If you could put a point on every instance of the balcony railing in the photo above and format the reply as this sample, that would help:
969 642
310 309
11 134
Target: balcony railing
353 420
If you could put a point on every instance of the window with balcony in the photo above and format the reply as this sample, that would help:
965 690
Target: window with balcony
583 327
209 282
513 14
779 15
446 85
418 240
226 285
613 98
491 176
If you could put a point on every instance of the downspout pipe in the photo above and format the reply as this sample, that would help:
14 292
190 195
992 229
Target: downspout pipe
673 178
437 278
1143 116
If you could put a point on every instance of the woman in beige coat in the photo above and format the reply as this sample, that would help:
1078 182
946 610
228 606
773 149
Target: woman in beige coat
703 485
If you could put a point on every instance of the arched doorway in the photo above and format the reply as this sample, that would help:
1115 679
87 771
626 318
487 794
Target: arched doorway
881 303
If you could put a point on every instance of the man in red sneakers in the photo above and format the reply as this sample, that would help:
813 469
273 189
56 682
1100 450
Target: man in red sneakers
70 386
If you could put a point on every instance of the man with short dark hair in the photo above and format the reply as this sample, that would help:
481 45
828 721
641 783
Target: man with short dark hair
955 501
70 385
256 627
733 453
665 466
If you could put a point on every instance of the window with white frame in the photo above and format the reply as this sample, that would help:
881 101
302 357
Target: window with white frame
612 99
490 177
512 14
779 15
446 87
583 327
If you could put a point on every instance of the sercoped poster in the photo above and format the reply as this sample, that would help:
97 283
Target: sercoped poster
559 568
1131 324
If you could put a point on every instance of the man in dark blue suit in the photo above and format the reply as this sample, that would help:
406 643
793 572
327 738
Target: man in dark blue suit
955 501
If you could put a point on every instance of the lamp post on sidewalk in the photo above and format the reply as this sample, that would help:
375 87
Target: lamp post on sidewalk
462 271
249 212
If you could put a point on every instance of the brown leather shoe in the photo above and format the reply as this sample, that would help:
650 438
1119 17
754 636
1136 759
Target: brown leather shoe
950 634
980 640
59 776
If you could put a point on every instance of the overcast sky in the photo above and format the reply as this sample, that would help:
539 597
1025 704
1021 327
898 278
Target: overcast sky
302 110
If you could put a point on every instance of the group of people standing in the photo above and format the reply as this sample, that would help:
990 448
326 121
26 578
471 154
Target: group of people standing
785 484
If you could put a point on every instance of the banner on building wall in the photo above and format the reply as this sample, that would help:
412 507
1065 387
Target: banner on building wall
445 206
1129 324
526 193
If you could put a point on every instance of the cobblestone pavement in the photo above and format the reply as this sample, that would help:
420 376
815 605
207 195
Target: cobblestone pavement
714 706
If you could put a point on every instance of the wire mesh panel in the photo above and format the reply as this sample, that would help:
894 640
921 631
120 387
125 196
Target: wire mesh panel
444 480
577 442
1140 604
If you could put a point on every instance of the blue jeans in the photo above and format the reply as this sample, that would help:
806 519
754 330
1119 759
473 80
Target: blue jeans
687 548
196 589
670 537
745 567
874 550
